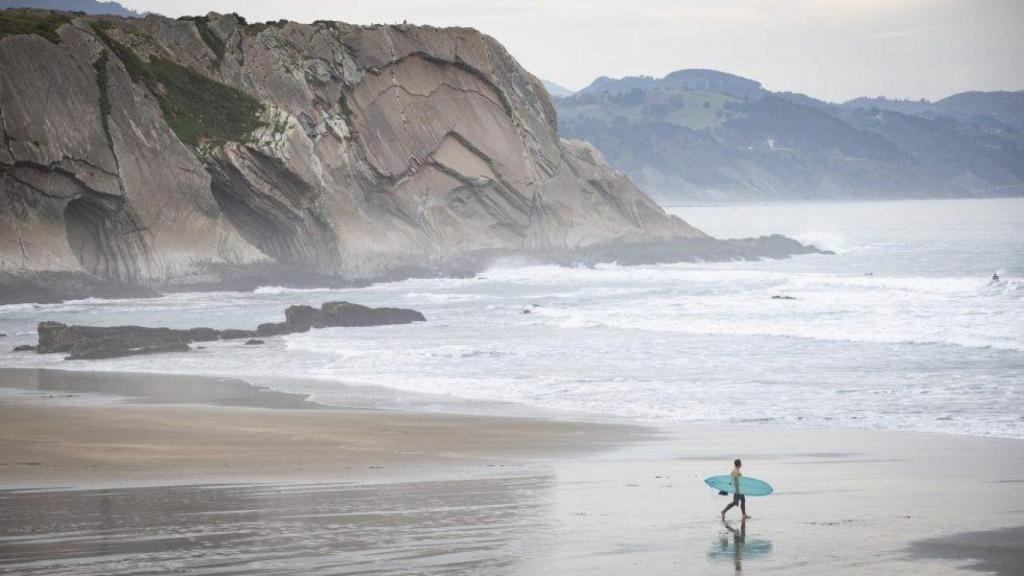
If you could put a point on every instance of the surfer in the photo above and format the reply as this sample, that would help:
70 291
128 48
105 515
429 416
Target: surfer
995 278
737 498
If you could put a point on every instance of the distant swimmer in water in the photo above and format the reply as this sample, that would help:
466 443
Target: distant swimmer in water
737 498
995 278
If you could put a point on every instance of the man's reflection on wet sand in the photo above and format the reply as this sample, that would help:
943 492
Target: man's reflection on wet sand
733 544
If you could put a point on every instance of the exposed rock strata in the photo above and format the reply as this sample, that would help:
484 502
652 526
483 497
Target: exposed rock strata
211 152
93 342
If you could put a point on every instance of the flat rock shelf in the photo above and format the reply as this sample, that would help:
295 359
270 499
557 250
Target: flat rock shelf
95 342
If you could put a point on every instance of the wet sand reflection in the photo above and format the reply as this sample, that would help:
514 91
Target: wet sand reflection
734 545
465 526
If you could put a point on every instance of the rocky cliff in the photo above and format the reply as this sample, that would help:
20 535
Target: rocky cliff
211 151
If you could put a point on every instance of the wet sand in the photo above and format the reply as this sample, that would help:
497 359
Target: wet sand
173 430
997 551
846 502
157 485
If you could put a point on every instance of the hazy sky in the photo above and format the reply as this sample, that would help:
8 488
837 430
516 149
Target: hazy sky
831 49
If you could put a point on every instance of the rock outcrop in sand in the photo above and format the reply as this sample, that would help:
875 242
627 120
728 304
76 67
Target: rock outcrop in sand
93 342
207 151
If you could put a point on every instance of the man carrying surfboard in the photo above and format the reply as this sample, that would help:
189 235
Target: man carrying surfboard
740 486
737 498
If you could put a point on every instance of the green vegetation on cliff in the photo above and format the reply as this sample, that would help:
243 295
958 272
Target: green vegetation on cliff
103 83
196 107
257 27
209 37
37 22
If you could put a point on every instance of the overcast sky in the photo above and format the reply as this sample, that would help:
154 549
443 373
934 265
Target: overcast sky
830 49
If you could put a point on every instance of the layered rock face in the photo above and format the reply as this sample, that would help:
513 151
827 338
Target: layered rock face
185 152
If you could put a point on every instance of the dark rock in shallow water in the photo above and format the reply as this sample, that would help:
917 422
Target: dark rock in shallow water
232 334
92 342
254 342
274 329
301 317
115 349
774 246
89 342
348 314
682 250
203 334
24 348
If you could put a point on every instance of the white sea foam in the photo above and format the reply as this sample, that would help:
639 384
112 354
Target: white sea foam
284 290
825 241
440 297
903 329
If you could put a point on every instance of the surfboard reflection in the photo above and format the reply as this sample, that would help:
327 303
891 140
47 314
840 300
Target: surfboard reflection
734 545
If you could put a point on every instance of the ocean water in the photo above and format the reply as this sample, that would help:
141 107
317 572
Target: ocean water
901 329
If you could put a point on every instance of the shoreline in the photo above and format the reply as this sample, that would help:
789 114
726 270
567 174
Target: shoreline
151 388
478 494
248 392
52 286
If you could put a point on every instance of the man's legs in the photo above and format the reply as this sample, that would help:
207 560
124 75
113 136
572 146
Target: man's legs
743 505
735 499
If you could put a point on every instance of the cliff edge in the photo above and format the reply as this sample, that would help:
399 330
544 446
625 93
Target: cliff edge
208 151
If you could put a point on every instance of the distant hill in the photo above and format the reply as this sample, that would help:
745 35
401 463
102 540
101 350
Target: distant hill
556 90
686 80
986 108
706 136
87 6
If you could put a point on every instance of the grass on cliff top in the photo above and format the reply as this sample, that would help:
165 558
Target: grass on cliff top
197 108
257 27
45 24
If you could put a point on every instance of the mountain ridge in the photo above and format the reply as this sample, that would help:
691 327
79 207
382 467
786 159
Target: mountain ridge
708 136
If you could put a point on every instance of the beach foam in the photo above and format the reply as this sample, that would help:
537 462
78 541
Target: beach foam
894 333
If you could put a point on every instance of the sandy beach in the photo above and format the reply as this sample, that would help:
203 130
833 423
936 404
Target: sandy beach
231 479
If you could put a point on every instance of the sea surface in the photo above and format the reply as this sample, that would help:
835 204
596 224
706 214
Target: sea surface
902 328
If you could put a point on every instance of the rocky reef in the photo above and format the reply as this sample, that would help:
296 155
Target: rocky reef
94 342
152 153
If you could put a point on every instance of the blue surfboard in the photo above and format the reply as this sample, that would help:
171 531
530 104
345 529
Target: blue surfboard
748 486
